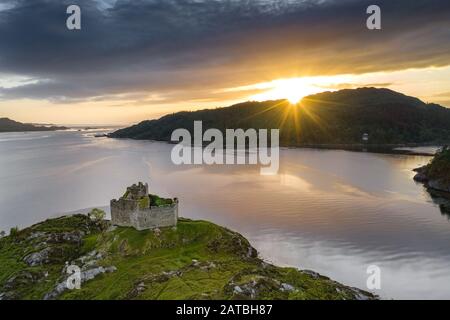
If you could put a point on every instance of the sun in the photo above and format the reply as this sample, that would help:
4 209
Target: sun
294 98
293 90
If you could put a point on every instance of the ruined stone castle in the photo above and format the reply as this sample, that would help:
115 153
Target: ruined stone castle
141 210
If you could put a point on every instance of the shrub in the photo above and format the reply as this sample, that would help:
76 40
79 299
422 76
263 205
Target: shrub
439 167
159 202
97 215
14 232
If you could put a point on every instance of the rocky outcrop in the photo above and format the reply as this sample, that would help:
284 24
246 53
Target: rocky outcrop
38 258
435 184
421 174
85 276
41 252
197 260
436 174
51 247
436 178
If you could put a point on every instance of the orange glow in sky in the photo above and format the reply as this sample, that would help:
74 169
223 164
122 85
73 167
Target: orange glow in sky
429 84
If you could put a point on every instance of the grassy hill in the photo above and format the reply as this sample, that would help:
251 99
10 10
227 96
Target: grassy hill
197 260
8 125
340 117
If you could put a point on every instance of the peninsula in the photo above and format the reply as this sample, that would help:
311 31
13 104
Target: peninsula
436 178
436 174
8 125
190 260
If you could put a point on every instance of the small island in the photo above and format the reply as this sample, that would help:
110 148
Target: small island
187 260
8 125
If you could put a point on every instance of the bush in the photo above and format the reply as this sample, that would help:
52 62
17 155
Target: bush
97 215
14 232
439 167
159 202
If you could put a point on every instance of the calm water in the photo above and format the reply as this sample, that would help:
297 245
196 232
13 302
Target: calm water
335 212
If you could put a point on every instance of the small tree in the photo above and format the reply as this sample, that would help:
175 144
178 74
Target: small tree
98 216
2 234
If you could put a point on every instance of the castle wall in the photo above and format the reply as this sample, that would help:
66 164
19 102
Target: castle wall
120 212
126 213
157 217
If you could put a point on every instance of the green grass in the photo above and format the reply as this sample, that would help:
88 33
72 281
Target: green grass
159 202
195 260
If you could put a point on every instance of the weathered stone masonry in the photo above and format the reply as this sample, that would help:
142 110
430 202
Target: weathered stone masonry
135 209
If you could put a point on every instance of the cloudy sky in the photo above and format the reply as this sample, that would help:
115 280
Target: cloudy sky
140 59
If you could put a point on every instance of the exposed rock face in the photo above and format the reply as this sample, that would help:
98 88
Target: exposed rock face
85 276
313 274
38 258
52 250
421 175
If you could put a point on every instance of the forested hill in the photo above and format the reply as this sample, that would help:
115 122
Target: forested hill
8 125
340 117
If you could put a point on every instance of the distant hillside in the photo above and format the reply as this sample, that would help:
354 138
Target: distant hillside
8 125
340 117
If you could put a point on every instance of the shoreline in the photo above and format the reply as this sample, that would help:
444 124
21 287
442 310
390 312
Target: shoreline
434 177
357 147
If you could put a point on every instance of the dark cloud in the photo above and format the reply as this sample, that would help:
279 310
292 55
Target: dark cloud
163 46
